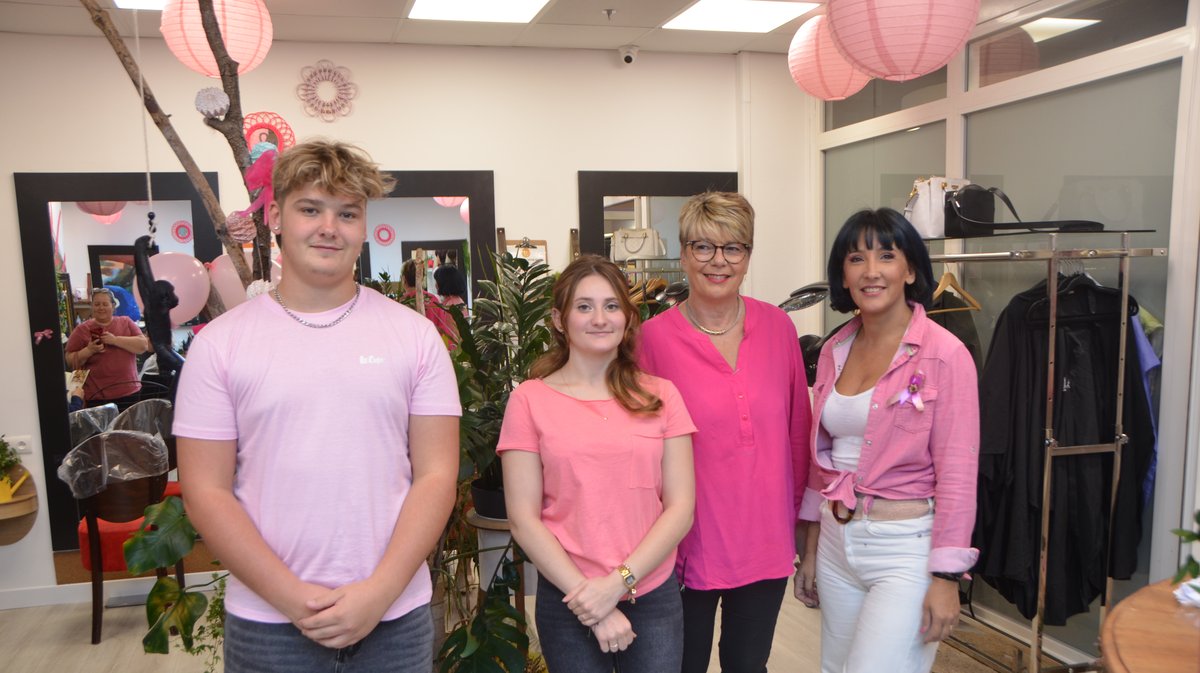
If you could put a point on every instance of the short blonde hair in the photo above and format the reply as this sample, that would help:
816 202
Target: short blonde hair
338 168
716 216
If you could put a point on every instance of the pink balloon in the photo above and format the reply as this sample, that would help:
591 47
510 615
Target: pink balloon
464 211
190 279
226 281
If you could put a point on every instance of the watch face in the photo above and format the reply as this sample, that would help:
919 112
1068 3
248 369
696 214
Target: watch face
630 580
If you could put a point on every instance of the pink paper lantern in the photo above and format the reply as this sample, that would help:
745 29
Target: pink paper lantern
464 211
818 68
245 27
104 212
1006 56
449 201
899 40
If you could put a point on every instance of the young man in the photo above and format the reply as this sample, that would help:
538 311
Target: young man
318 443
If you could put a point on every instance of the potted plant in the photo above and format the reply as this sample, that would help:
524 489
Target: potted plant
18 506
509 329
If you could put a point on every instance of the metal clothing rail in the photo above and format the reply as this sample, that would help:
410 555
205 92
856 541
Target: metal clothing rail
1054 450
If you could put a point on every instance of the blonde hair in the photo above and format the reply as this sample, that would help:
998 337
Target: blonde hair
623 375
338 168
717 215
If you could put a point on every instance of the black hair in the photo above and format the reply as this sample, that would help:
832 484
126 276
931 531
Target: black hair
892 231
451 281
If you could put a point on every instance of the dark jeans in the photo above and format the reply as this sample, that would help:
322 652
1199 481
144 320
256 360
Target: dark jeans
570 647
403 645
748 616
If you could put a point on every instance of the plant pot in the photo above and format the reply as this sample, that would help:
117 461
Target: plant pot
488 502
18 515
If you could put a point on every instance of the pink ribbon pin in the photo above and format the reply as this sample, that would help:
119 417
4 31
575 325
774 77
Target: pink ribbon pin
911 394
38 337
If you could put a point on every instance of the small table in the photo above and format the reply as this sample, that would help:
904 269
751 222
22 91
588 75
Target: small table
1150 632
484 523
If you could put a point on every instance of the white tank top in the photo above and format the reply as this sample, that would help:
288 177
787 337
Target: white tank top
845 419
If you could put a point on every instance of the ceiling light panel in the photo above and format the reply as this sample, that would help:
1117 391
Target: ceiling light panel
482 11
739 16
1048 27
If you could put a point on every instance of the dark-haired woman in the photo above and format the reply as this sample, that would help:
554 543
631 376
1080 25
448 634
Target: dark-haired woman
895 448
599 486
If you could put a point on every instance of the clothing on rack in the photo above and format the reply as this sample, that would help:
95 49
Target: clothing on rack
953 313
1012 416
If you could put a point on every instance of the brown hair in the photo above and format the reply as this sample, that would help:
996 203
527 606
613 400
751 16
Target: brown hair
338 168
623 375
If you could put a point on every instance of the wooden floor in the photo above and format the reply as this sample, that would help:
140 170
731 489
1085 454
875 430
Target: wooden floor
56 638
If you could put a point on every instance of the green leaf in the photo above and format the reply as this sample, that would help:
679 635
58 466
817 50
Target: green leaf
166 536
167 608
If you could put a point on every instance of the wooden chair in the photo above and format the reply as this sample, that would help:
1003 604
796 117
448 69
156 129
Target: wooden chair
115 510
154 416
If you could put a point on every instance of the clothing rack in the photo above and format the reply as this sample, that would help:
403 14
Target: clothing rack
1053 258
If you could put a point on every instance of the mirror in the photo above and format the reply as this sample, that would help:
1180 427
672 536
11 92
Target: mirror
36 192
606 193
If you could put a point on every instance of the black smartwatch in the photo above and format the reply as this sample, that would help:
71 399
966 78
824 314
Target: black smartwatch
953 577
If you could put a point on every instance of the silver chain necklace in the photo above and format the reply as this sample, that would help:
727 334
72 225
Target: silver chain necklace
687 308
302 321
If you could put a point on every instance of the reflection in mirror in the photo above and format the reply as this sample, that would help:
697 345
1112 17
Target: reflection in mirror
397 226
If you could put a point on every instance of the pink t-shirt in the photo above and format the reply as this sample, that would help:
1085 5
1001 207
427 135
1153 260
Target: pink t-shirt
113 373
751 446
601 470
321 418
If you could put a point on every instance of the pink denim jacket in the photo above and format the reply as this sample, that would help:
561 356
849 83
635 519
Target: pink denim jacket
909 452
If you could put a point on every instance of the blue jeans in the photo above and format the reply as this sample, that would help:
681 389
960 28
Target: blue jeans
570 647
403 645
748 616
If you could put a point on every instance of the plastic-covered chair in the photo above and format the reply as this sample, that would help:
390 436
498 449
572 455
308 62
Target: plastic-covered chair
114 475
153 416
90 422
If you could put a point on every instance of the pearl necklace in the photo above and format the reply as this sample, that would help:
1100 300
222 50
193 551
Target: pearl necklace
302 321
687 308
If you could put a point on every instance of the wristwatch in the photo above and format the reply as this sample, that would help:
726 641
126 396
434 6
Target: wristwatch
630 581
953 577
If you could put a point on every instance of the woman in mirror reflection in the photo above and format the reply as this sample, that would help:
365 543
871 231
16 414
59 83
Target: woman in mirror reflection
895 455
737 363
433 308
451 283
598 484
107 345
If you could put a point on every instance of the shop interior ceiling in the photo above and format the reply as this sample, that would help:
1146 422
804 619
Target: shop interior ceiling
562 24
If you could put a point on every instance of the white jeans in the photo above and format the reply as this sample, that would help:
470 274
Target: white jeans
872 577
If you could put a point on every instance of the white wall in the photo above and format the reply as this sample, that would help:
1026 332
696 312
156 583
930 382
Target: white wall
534 117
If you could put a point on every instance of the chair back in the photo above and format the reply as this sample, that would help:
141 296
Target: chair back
90 422
152 416
112 457
125 501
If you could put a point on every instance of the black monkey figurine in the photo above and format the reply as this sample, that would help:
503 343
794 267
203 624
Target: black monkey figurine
158 298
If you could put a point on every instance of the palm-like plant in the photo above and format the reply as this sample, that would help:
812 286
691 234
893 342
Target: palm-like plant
508 330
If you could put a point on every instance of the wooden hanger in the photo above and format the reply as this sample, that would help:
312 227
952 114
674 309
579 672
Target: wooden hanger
950 282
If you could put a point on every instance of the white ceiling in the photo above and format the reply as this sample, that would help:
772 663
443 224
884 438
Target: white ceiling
579 24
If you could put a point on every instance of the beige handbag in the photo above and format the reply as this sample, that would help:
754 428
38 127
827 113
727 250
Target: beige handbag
926 207
630 244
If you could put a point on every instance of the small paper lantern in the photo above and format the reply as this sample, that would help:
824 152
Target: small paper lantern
240 226
212 102
899 40
464 211
104 212
818 68
1006 56
245 27
449 201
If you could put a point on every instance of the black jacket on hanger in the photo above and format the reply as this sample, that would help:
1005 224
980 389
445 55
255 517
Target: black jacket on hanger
1013 392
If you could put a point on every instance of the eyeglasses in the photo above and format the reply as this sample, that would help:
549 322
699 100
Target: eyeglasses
704 251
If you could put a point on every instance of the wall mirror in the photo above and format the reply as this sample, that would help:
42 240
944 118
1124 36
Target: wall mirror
43 197
610 200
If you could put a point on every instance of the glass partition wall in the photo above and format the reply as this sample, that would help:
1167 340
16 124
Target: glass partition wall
1091 133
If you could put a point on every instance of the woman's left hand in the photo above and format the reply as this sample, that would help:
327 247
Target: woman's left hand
108 339
939 614
592 599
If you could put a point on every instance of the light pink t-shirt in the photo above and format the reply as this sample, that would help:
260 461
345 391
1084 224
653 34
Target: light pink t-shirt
601 470
321 418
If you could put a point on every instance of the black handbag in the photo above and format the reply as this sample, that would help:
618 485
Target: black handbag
971 211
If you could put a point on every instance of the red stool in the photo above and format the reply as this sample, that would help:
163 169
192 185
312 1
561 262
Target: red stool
112 543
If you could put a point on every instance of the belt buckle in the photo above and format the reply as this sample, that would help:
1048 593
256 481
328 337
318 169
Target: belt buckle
837 517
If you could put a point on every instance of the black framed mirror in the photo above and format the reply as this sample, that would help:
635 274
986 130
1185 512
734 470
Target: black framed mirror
594 186
36 191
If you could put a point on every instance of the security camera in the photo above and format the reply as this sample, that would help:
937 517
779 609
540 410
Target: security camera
628 53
